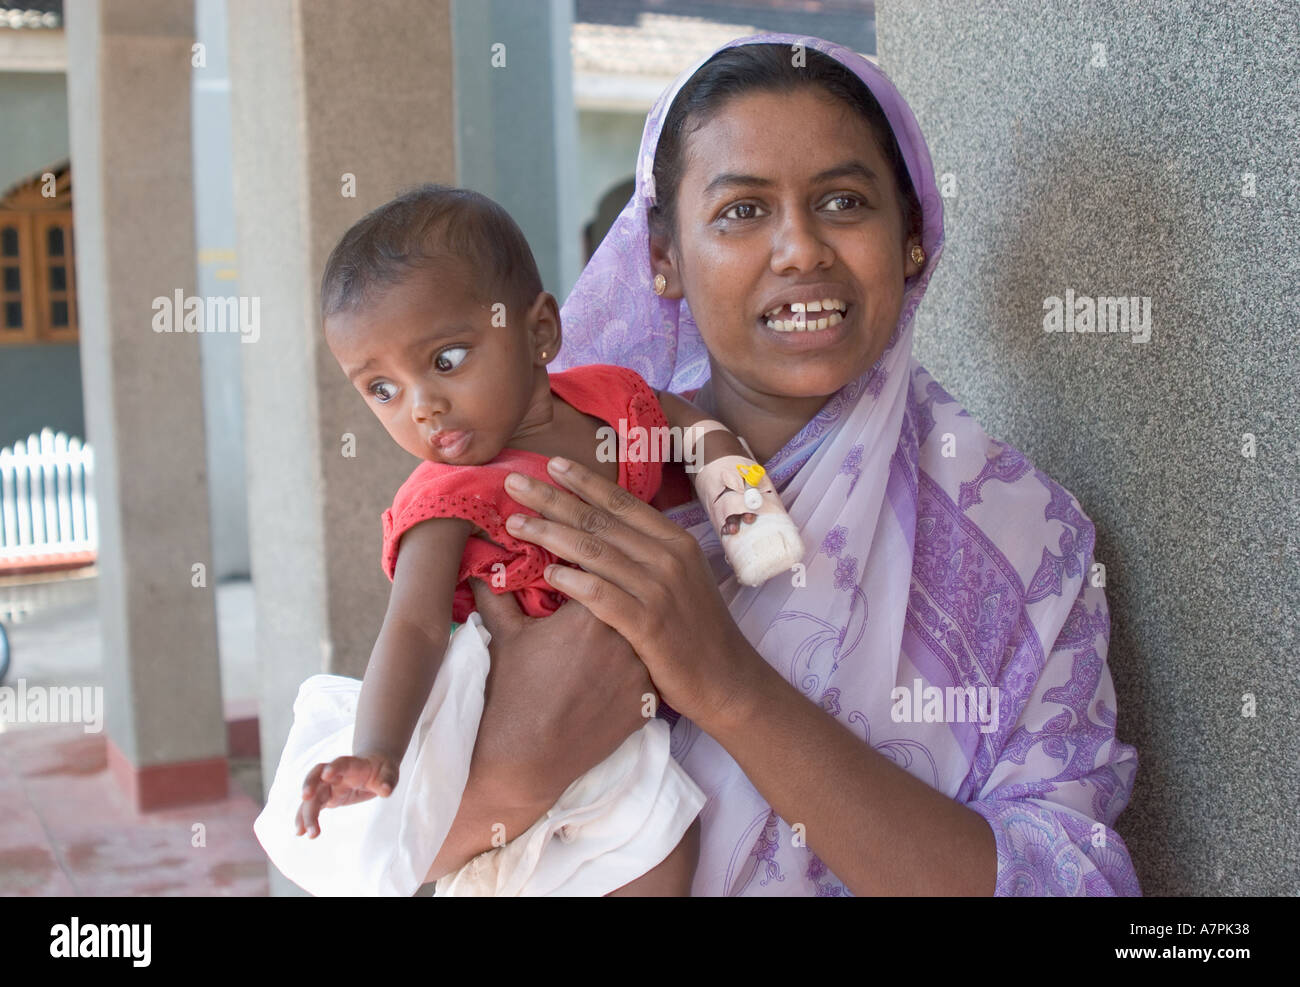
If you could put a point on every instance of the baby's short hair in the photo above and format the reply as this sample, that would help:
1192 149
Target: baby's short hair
421 226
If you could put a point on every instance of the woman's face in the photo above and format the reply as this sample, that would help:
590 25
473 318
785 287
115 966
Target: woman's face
785 200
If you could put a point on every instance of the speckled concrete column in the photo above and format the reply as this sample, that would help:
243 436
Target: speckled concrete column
326 98
1147 150
129 122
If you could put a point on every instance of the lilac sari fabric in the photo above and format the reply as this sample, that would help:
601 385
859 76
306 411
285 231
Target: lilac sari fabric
938 559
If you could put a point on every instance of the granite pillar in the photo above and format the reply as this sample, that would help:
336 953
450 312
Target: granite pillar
1145 150
129 65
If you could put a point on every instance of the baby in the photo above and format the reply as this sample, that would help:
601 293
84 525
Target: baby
434 309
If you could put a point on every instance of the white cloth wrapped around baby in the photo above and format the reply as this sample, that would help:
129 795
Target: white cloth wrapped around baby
616 822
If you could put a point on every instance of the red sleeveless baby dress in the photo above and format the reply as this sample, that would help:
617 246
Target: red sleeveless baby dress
615 395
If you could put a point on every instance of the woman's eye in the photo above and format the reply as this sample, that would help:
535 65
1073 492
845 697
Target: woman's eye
382 391
747 209
450 359
837 203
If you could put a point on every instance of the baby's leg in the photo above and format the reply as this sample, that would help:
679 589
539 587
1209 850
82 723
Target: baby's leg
671 878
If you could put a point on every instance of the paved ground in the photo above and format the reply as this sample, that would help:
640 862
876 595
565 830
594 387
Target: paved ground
54 633
65 827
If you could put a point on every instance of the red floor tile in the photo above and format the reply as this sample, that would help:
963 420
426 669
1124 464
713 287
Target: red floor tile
66 828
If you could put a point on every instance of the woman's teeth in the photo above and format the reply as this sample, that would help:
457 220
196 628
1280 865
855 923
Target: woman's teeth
794 317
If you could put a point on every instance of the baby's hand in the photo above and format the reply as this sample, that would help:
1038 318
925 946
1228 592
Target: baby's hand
343 781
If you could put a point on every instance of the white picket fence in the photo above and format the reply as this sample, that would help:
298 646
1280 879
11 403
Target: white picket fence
47 499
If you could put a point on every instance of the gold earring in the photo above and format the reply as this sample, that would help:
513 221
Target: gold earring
661 284
918 255
543 354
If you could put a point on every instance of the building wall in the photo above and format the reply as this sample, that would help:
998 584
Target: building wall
33 123
607 146
1143 149
516 123
40 385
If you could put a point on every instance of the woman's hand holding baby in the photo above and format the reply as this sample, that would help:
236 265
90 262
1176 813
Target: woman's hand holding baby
343 781
647 579
562 694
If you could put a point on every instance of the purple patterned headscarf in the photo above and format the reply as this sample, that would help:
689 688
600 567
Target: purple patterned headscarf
946 612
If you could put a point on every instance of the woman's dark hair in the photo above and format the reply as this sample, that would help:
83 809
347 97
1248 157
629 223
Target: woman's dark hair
767 68
424 226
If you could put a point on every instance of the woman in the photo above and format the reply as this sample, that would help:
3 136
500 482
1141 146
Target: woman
925 707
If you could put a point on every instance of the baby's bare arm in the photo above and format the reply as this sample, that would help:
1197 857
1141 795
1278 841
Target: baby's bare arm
681 414
413 640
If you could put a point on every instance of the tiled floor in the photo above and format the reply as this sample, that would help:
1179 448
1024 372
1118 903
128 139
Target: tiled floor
66 828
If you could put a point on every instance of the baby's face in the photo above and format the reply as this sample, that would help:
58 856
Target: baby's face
448 385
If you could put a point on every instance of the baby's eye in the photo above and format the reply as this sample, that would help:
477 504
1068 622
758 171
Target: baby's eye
383 391
747 210
450 358
853 201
